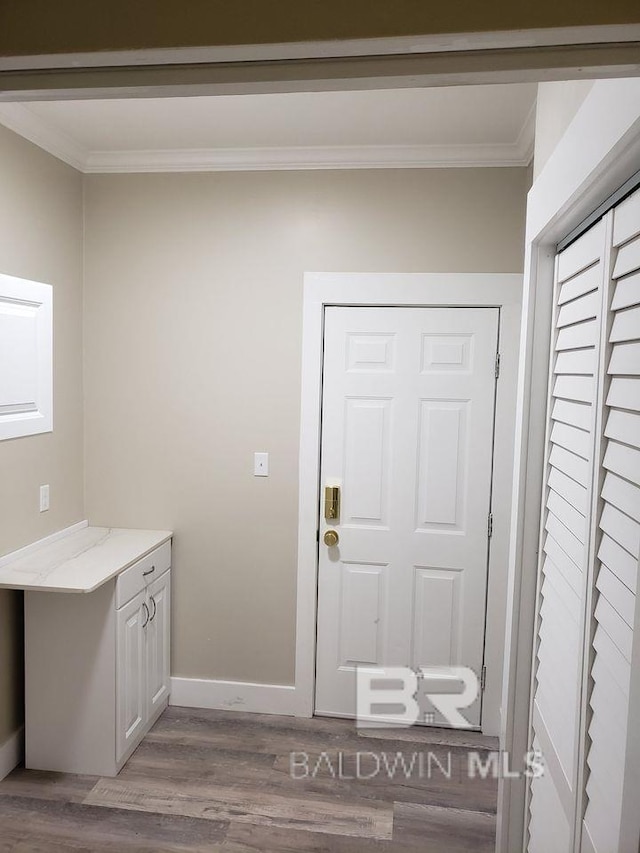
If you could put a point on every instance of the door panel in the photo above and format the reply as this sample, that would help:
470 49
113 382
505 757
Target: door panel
366 471
130 693
616 564
158 646
565 535
362 595
441 467
407 432
437 601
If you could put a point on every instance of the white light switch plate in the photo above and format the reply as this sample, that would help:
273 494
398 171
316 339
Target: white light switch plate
260 464
44 498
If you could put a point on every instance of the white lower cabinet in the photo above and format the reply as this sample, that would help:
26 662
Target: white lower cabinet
97 669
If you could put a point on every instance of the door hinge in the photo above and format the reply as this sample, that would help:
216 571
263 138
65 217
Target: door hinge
497 364
490 525
317 536
483 678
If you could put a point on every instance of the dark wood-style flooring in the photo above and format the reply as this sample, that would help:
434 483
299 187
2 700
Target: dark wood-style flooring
224 781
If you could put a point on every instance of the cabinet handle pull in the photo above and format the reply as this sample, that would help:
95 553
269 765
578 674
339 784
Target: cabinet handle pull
146 610
155 608
150 572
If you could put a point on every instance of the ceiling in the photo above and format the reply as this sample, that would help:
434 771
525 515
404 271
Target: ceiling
453 126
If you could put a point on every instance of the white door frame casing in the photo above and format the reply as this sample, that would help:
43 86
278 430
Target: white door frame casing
499 290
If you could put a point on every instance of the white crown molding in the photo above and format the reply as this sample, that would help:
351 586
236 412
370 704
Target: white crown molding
321 157
526 138
22 120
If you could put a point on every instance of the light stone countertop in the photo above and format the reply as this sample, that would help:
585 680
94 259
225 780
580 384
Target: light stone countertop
81 561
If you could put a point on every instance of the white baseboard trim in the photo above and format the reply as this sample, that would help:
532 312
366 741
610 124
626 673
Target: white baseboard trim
48 540
11 752
233 696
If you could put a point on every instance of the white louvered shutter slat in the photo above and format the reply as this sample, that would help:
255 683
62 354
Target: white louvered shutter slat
582 254
563 564
625 567
583 308
627 292
623 426
576 414
575 440
612 658
625 359
569 489
584 282
571 464
575 361
579 335
628 259
623 460
568 515
626 222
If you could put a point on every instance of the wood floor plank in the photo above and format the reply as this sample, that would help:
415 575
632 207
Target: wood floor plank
215 802
423 735
246 838
178 714
25 823
444 830
45 785
197 759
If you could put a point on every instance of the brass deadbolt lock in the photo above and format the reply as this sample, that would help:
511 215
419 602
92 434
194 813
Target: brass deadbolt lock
331 538
332 503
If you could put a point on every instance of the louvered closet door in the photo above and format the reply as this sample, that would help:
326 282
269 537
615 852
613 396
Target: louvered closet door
565 542
616 568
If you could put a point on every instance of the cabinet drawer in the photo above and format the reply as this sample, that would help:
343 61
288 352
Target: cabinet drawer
137 577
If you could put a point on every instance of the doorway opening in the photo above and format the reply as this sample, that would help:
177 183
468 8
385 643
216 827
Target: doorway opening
423 338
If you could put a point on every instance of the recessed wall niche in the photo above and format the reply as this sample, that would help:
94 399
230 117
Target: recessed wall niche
26 357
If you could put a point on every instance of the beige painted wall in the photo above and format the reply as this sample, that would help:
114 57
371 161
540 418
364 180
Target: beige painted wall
193 300
41 239
556 105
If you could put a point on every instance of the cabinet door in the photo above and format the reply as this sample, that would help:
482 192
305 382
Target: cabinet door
131 705
158 648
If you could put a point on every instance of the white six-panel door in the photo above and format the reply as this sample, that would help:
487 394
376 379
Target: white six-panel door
407 434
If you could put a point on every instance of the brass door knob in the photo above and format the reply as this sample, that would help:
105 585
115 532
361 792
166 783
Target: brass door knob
331 538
